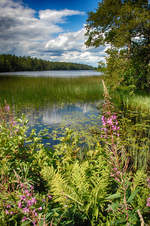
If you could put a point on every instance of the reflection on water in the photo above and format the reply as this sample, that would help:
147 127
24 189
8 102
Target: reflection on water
58 74
45 101
66 114
57 117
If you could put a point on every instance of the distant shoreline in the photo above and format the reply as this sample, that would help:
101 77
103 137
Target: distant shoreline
12 63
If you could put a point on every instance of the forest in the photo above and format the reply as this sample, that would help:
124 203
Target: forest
10 63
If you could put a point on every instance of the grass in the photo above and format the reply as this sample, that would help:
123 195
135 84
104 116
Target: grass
139 101
40 91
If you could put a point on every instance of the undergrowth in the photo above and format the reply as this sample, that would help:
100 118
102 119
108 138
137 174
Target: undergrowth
106 183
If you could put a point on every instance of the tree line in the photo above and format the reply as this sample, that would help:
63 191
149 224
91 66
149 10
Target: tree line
11 63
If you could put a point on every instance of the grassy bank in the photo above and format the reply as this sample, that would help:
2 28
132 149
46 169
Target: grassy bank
139 101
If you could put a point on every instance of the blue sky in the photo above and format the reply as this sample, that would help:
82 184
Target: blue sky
48 29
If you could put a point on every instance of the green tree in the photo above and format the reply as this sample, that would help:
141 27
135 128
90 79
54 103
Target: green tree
119 23
123 25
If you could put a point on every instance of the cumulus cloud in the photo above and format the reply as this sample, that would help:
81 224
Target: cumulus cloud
23 31
72 48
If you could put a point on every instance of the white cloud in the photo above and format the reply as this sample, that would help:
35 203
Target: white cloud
24 33
54 16
72 48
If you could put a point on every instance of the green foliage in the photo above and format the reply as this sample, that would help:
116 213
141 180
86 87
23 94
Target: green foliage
125 74
123 24
73 183
117 23
15 63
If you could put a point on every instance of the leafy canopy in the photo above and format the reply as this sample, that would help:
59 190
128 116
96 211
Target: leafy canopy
119 23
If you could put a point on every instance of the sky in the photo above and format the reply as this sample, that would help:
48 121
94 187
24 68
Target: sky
48 29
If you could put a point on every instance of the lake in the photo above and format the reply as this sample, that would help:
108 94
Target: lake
58 74
53 102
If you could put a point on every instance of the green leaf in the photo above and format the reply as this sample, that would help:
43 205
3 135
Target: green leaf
133 194
96 212
114 196
113 207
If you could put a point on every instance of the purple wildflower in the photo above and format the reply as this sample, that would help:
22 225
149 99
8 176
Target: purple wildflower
40 208
25 210
114 117
22 197
148 202
31 187
35 213
29 203
19 205
109 121
118 173
7 212
24 219
33 200
27 193
117 179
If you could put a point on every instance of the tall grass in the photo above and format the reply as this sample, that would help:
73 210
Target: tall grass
40 91
138 101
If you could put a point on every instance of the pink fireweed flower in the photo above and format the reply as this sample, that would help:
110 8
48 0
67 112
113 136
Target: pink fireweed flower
31 187
114 128
33 200
24 219
23 197
114 117
7 108
7 212
117 179
103 118
49 196
109 122
25 210
35 213
118 173
34 223
19 205
148 202
29 203
40 208
27 193
22 185
8 206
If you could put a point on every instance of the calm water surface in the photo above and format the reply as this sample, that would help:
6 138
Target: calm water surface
58 74
50 103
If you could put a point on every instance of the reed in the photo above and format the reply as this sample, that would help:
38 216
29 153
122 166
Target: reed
40 91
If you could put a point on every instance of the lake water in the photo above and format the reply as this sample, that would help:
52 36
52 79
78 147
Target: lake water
55 101
58 74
